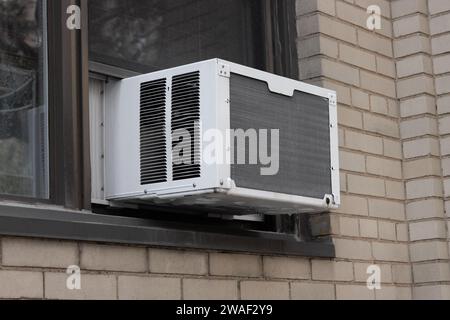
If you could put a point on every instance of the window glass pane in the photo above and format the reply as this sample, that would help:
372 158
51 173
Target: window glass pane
23 105
148 35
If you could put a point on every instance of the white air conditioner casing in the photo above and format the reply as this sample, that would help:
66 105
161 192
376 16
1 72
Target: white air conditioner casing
142 113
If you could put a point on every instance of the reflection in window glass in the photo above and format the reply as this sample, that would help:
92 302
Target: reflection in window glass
149 35
23 109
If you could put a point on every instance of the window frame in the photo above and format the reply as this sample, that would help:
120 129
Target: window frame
68 214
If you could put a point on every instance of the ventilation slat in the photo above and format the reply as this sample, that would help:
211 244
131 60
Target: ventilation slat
186 116
153 132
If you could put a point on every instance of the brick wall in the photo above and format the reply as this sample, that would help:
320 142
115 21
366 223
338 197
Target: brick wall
338 51
422 55
394 113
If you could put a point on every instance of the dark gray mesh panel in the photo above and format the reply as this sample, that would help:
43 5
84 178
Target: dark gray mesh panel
303 121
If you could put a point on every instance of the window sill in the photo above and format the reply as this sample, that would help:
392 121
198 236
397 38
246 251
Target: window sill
58 223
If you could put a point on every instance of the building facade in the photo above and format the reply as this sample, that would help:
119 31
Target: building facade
393 87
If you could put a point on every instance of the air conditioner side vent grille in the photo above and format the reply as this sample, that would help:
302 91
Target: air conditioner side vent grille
186 118
153 155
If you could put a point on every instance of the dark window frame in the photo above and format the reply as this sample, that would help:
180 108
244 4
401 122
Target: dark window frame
67 215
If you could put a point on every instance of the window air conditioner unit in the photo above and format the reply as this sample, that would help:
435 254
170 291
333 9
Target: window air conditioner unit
218 135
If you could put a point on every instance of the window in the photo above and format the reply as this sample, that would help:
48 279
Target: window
150 35
52 78
23 99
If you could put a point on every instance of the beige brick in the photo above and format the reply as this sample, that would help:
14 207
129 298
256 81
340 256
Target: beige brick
395 190
433 292
384 167
363 142
416 85
390 252
352 161
413 65
446 166
21 285
350 117
392 148
353 205
440 24
387 230
332 270
366 185
443 85
93 287
343 92
386 209
445 146
317 45
354 292
114 258
343 182
429 250
444 125
264 290
350 13
421 168
360 99
386 67
393 108
205 289
441 44
349 227
340 72
402 8
418 105
402 273
240 265
306 6
430 208
38 253
361 274
341 137
402 232
393 293
411 24
286 268
438 6
178 262
352 249
368 228
312 291
423 188
443 104
418 127
375 43
357 57
426 230
381 125
421 147
310 68
415 43
149 288
323 24
431 272
447 209
378 104
378 84
441 64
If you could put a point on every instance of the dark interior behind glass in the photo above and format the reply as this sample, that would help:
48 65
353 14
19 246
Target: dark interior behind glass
150 35
23 109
